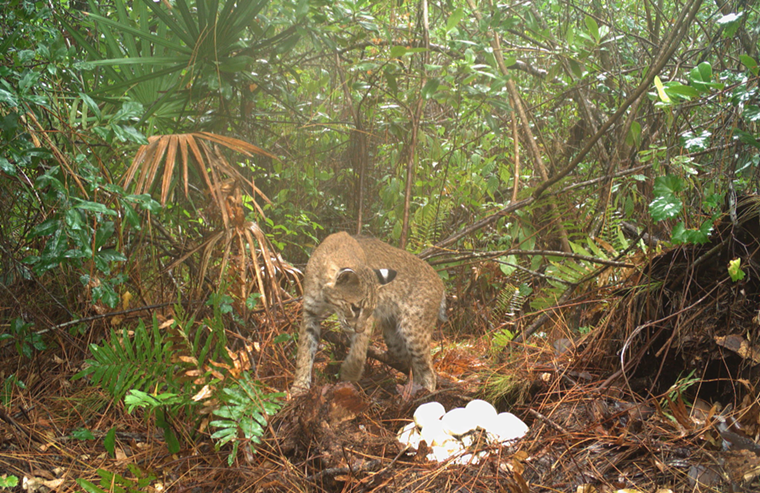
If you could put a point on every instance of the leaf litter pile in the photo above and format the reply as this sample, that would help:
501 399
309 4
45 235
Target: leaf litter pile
662 395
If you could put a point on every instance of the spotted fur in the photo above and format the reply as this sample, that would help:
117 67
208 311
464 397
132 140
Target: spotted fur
364 281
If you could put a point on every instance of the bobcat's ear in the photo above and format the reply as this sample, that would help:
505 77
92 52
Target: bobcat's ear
385 275
346 276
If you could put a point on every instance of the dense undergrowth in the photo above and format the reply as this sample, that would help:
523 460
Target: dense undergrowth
167 167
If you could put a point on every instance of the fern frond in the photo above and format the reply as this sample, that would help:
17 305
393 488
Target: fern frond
429 222
243 414
138 361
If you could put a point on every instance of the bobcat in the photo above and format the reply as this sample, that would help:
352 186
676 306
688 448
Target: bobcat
363 280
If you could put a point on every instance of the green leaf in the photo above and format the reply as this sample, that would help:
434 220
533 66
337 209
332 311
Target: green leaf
236 64
677 89
88 486
109 442
8 98
91 206
634 134
746 138
430 87
398 51
82 434
701 76
691 236
750 63
666 204
127 133
735 270
302 8
28 79
171 440
390 79
592 27
454 19
91 104
661 90
8 482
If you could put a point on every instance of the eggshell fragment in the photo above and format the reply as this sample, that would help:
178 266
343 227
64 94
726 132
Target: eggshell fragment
448 449
428 412
409 436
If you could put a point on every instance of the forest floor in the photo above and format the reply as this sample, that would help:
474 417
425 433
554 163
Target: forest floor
661 396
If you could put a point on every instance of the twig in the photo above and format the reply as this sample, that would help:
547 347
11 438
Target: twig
334 471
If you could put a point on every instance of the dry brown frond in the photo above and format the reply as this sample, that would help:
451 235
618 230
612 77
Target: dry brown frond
180 158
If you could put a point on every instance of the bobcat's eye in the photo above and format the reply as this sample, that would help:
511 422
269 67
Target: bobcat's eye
356 310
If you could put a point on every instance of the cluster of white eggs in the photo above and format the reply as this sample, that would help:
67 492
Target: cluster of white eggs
450 434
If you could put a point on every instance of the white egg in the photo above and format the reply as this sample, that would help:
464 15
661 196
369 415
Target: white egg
482 411
459 421
428 412
506 427
433 433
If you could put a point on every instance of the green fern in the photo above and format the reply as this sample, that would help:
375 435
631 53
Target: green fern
140 361
428 223
243 414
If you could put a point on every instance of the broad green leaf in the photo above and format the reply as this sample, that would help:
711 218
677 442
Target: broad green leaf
236 64
634 134
7 167
681 90
302 8
398 51
748 62
91 206
454 19
390 79
91 104
88 486
430 87
661 90
109 442
8 98
8 481
172 442
592 27
746 138
666 204
701 76
691 236
82 434
735 270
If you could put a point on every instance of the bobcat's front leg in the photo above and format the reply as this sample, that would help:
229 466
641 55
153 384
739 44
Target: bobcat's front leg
308 342
353 366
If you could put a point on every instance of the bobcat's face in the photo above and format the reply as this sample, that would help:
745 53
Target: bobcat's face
353 294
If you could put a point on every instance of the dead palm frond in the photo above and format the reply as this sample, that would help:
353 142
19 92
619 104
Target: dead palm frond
195 159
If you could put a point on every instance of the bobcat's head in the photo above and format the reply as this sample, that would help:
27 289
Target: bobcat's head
354 295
